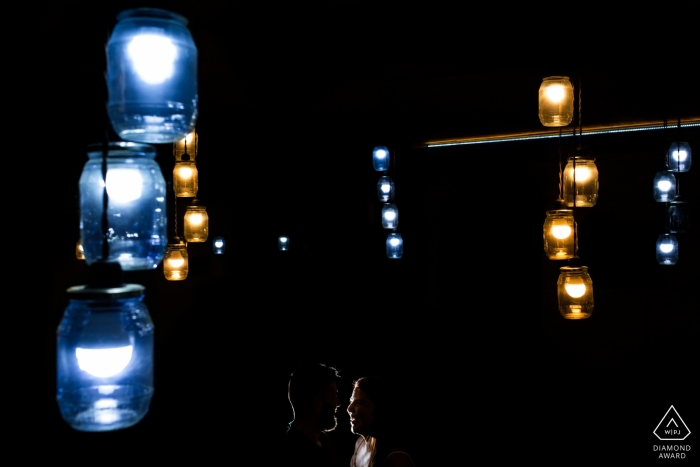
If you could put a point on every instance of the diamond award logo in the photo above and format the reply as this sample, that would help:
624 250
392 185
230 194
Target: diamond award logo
671 427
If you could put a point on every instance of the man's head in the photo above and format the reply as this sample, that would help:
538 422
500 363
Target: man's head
313 393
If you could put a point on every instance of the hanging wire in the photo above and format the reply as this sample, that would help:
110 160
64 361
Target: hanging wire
561 173
105 200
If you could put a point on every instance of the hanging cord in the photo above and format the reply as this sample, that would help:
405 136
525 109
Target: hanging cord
561 173
678 156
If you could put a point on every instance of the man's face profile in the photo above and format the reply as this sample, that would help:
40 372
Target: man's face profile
330 403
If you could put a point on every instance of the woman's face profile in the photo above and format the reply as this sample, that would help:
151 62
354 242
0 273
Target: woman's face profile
361 411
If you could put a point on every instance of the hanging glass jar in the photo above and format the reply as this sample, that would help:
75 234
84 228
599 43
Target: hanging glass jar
586 182
556 101
380 158
559 232
175 264
679 157
186 148
385 189
152 76
196 223
394 246
136 210
105 358
79 253
667 249
185 179
283 243
678 216
219 245
390 216
664 186
575 291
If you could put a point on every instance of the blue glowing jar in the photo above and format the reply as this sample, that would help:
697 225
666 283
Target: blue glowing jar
283 243
380 158
104 358
385 189
667 249
394 246
219 245
136 212
152 76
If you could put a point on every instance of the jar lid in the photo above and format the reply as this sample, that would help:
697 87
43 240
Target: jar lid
121 149
85 292
151 13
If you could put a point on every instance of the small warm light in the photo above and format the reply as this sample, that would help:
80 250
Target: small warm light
582 174
381 153
153 57
556 101
104 363
175 264
196 223
124 185
185 179
79 252
555 93
575 290
561 229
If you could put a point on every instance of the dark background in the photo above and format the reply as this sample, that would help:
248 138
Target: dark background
292 101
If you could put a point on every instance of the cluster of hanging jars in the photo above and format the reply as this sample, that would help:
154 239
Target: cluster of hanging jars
679 159
381 161
578 189
105 338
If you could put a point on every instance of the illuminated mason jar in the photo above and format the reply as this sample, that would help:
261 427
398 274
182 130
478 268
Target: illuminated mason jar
390 216
667 249
186 148
664 186
586 182
559 233
385 189
680 157
219 245
575 291
185 179
79 253
678 216
136 213
175 264
380 158
283 243
104 358
394 246
556 101
152 76
196 223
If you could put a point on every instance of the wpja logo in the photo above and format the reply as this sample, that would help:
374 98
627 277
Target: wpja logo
671 428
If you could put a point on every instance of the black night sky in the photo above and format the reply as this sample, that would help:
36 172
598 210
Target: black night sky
292 101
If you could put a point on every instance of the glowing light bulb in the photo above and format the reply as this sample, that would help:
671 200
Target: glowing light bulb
196 219
176 260
666 247
394 242
390 215
575 289
582 174
386 188
124 185
219 243
555 93
680 156
664 185
283 239
381 153
104 363
153 57
185 172
560 229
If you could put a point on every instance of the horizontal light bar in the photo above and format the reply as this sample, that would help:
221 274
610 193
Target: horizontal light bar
549 134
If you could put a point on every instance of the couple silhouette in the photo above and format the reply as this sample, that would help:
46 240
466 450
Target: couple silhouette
313 394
